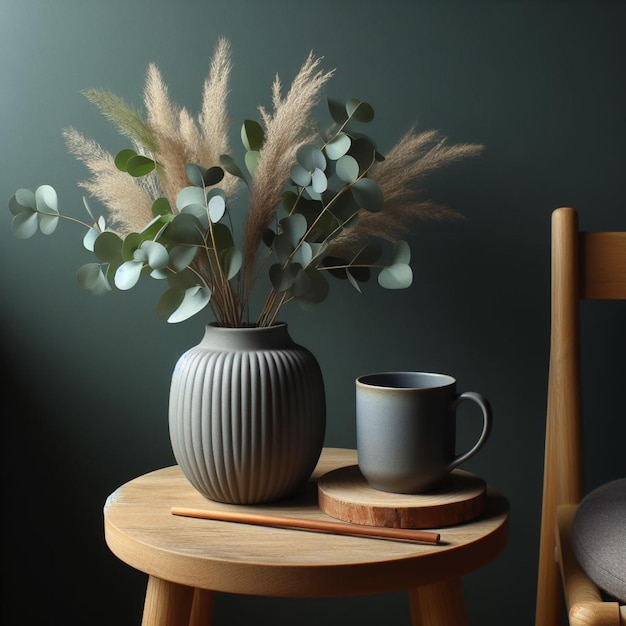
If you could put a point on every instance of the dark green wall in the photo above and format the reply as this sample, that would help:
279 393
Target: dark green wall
541 84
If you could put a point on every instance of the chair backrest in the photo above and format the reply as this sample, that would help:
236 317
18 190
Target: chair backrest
584 266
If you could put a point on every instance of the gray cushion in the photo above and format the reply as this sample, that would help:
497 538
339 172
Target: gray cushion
599 537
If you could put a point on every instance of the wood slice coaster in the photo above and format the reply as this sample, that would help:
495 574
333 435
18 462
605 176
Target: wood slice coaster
344 494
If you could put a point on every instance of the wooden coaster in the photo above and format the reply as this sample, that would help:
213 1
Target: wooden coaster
344 494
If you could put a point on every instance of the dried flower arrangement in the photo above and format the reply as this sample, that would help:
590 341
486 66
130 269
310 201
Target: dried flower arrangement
318 202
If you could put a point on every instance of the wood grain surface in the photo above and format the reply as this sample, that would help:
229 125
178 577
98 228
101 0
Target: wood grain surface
345 494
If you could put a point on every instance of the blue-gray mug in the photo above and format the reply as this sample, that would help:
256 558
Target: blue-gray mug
406 429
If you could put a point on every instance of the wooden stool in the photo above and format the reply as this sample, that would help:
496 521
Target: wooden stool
190 560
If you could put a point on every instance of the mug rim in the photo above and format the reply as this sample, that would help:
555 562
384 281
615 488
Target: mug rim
368 380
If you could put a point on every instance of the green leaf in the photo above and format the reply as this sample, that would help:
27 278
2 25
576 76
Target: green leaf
161 206
268 237
139 165
282 247
319 182
303 254
46 199
353 280
282 278
399 276
338 146
232 260
222 237
24 199
364 151
347 168
311 157
195 174
213 175
368 195
337 110
191 196
300 175
367 255
194 300
228 163
294 227
128 274
185 229
91 277
169 301
310 287
158 257
252 161
401 252
182 256
131 244
359 110
108 246
216 205
122 158
24 225
252 135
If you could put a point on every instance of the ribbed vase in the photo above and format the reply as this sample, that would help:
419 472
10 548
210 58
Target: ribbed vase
247 414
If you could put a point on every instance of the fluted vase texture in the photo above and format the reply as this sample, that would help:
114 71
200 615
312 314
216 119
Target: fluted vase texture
247 414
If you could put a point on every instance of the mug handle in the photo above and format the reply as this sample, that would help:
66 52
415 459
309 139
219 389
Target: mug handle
483 403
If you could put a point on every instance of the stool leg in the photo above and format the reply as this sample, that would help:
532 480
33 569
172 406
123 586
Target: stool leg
202 608
167 603
438 604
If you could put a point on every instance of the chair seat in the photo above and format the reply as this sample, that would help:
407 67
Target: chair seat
599 537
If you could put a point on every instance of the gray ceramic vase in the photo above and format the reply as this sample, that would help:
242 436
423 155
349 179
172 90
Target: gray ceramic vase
247 414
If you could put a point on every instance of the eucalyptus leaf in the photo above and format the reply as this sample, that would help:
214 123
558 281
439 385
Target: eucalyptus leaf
90 238
228 163
337 110
359 110
182 256
212 175
122 158
401 252
161 206
139 165
352 280
217 208
222 237
338 146
128 274
252 135
25 199
191 196
252 161
319 181
289 199
368 195
300 175
336 266
268 237
185 229
294 227
194 300
347 168
310 287
131 244
367 255
169 301
282 278
158 256
398 276
303 254
108 246
48 223
232 260
24 225
282 247
195 174
311 157
46 199
91 277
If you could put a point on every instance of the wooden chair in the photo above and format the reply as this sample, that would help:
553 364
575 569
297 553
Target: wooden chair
584 266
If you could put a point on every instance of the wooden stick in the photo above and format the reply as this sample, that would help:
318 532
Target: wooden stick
339 528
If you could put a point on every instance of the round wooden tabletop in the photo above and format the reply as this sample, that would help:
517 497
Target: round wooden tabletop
241 558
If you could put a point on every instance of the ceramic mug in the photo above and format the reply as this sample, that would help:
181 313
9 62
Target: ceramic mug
406 429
